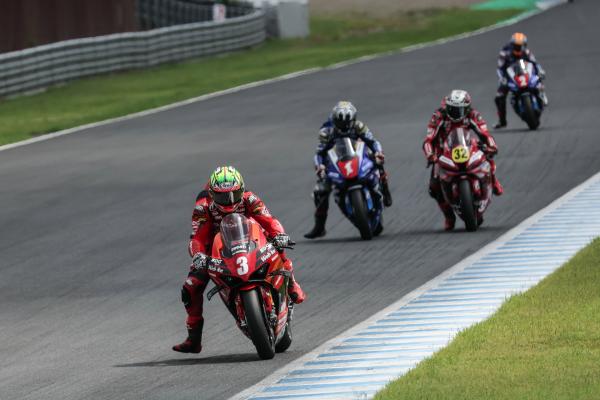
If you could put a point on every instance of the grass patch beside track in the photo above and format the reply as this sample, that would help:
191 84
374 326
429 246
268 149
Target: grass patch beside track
333 39
542 344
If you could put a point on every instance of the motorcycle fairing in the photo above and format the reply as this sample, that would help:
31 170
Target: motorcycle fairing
475 168
261 267
524 81
344 159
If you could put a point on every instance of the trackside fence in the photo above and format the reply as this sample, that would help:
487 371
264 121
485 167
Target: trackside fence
39 67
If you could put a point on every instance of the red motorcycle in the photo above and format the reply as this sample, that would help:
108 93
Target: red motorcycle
249 275
466 178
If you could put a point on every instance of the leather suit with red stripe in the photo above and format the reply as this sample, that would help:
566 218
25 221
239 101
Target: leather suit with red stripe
206 220
437 131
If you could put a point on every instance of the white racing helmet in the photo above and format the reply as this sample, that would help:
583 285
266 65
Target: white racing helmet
458 105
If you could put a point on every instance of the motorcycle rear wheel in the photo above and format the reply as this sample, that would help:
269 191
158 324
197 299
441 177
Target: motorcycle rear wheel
258 327
361 214
467 208
529 114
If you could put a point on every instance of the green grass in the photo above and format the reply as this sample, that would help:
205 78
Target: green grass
543 344
333 39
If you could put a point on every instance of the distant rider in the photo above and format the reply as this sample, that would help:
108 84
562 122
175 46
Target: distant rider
455 112
515 50
342 123
226 195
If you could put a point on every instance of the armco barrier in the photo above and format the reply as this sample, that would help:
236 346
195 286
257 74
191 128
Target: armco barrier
43 66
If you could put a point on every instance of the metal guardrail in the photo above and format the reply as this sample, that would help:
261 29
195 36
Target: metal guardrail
43 66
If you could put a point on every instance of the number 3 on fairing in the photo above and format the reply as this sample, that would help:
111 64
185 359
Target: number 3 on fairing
243 263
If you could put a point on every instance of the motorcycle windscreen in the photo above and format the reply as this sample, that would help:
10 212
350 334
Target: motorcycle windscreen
344 149
521 67
461 137
235 233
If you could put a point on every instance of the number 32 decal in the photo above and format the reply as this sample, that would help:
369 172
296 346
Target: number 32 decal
243 263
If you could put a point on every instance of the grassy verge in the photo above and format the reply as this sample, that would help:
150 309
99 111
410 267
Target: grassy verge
543 344
333 39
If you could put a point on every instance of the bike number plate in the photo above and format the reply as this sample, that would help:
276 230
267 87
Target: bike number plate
460 154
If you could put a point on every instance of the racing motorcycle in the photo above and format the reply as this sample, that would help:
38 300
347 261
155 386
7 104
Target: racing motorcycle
465 174
522 83
352 173
249 276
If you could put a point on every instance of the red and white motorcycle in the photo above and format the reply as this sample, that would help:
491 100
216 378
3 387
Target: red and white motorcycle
466 177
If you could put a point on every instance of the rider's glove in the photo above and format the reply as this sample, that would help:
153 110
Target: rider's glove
541 74
379 158
321 171
432 158
281 240
490 151
503 81
200 260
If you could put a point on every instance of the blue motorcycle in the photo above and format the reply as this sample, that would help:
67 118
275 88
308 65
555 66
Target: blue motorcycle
355 178
523 82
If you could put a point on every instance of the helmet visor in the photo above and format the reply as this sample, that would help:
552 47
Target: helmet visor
456 113
227 198
517 49
343 124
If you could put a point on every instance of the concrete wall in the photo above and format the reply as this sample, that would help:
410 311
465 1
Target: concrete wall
286 18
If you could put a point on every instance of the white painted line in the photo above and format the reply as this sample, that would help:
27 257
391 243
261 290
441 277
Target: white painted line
281 78
429 317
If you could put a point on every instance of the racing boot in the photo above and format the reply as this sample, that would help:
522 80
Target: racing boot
501 107
497 187
387 196
319 228
377 231
295 291
543 97
450 218
193 343
479 220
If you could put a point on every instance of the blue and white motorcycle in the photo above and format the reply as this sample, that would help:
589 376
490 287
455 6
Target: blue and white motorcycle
356 180
523 82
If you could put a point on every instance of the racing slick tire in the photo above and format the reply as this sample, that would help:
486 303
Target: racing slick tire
529 115
467 208
258 327
361 214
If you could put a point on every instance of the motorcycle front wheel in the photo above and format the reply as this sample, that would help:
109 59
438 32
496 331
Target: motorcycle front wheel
529 115
467 208
258 327
361 214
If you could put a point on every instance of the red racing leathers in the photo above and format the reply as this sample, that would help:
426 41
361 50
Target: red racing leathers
437 130
206 220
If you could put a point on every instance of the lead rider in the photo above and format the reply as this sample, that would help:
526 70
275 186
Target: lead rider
226 195
342 123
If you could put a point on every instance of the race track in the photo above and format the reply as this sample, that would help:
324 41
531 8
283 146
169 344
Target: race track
95 224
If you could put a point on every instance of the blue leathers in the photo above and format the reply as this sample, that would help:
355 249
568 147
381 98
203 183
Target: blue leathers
506 58
328 134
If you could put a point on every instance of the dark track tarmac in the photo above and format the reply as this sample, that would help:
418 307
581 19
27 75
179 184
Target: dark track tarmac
95 224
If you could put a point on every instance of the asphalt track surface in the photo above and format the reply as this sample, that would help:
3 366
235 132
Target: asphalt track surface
95 224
